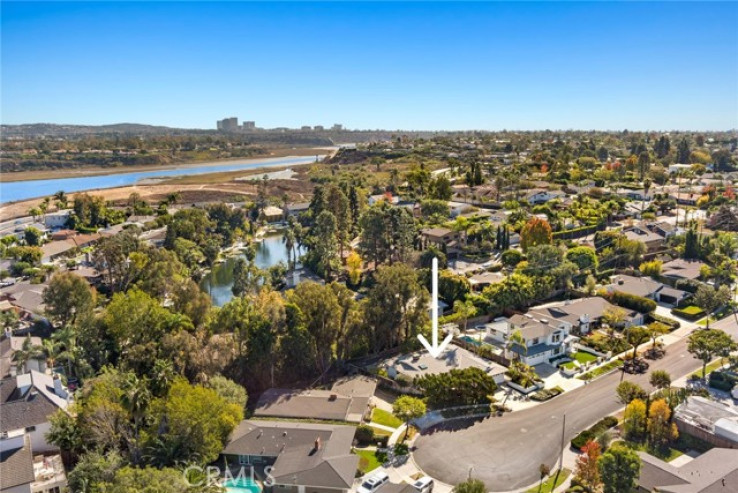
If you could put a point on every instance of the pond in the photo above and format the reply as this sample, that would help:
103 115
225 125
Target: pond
270 251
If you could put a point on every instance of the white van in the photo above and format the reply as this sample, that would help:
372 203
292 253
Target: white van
423 485
373 483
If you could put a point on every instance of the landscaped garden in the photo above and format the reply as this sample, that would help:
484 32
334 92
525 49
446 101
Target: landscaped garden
690 312
601 370
557 477
385 418
369 460
583 357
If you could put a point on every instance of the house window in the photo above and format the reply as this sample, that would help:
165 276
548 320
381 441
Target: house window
243 459
535 341
556 337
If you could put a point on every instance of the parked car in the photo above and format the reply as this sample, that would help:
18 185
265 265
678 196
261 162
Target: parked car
423 485
734 392
373 483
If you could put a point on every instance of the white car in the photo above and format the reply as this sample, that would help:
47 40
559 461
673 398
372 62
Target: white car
734 392
373 483
423 485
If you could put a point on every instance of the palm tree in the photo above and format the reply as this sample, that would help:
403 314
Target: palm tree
61 199
289 242
135 399
66 339
28 352
464 309
516 338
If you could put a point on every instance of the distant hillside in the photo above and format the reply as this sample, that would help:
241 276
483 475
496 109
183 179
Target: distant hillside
55 130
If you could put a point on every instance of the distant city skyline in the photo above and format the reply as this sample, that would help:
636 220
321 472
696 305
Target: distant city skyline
410 66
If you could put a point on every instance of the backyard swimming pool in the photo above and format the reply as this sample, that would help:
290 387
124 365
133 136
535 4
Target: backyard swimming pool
242 485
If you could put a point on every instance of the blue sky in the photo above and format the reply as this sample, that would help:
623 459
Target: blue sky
383 65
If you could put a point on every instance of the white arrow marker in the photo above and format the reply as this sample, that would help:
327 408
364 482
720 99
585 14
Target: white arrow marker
435 350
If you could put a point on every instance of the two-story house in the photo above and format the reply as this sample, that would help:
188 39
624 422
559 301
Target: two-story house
549 330
26 404
445 239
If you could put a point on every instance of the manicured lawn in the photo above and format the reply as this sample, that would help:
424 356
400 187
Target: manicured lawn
583 357
548 485
569 365
382 417
601 370
368 460
666 454
691 310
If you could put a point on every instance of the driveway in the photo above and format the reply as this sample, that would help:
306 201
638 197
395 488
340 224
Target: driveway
505 452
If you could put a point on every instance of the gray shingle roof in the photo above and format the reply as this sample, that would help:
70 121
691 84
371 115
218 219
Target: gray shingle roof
33 407
330 464
16 466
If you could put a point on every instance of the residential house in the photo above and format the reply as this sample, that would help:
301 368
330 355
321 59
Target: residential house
273 214
26 297
682 269
297 208
541 196
482 280
712 421
665 229
56 249
457 209
443 238
678 168
715 471
27 402
647 288
57 220
304 457
9 345
453 357
545 338
636 194
348 400
653 241
387 197
549 329
23 472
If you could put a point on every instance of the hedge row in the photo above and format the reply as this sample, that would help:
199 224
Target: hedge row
673 324
546 394
578 232
633 302
722 381
592 433
688 314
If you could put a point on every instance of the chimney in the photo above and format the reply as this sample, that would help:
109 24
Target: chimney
58 388
317 444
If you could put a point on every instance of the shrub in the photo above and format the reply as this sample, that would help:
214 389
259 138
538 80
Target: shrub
546 394
364 434
631 301
673 324
591 433
401 449
722 381
689 312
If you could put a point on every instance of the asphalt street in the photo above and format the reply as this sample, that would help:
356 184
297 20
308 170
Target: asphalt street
506 452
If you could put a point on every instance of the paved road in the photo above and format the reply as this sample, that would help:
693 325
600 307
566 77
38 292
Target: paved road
506 452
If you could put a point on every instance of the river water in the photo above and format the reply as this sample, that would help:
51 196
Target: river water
28 189
218 283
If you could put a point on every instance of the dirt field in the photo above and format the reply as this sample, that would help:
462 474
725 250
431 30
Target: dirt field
194 188
96 170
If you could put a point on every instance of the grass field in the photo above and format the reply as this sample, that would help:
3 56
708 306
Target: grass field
368 460
382 417
583 357
601 370
549 485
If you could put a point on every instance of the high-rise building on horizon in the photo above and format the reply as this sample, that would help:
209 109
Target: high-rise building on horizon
228 124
